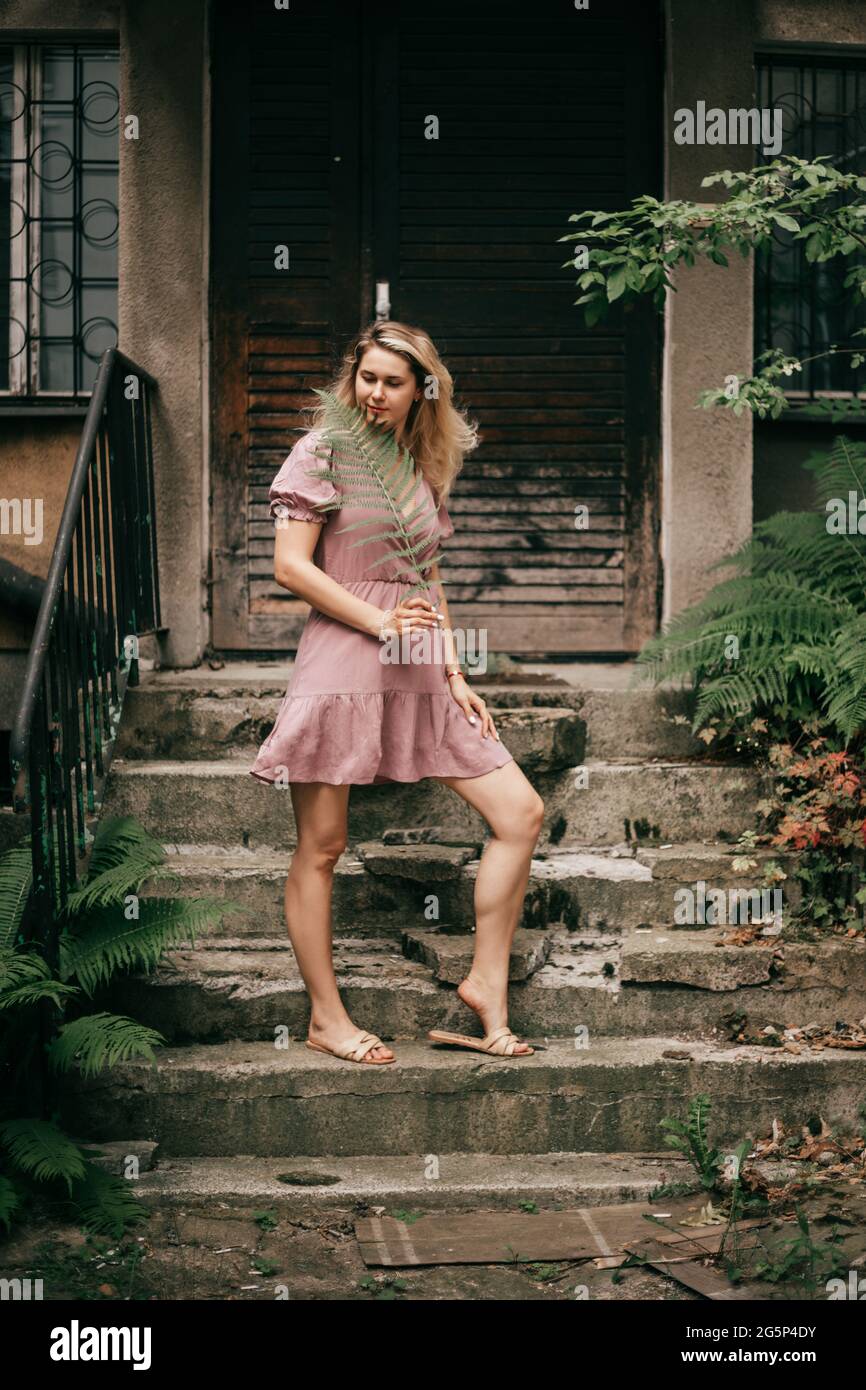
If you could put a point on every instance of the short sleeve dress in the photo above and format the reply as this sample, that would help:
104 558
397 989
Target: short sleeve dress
349 715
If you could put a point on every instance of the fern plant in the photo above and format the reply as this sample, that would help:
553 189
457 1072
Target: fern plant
368 467
787 633
690 1139
105 927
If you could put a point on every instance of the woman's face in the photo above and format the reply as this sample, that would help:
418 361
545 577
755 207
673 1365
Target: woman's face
385 387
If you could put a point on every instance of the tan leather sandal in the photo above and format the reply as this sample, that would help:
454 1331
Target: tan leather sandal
355 1050
500 1043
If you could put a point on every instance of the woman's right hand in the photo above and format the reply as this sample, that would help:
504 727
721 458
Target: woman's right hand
414 613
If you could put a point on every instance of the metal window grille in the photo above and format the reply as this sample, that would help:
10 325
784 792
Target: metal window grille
58 216
801 306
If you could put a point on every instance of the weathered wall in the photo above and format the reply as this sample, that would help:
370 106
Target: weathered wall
162 322
716 476
707 455
810 21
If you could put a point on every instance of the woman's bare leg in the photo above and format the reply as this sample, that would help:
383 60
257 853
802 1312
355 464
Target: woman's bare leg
515 812
321 818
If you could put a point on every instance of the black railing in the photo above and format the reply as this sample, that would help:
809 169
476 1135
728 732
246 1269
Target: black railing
100 596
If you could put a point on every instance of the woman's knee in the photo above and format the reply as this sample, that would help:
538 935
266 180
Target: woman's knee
525 817
535 815
322 851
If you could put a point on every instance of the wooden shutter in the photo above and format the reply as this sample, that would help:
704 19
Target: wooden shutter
543 111
285 171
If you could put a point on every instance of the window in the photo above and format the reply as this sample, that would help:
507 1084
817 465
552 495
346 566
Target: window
802 307
58 216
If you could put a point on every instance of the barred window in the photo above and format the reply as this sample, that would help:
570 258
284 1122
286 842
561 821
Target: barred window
58 216
802 306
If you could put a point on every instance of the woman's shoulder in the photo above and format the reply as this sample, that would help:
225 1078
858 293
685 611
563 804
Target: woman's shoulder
308 441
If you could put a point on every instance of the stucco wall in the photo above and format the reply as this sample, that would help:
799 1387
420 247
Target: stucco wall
162 321
707 455
810 21
708 482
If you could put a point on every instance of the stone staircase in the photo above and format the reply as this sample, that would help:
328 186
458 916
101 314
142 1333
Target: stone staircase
630 1013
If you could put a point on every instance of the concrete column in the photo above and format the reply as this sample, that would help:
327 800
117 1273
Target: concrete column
707 455
165 197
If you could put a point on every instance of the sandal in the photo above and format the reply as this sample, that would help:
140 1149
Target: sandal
500 1043
355 1050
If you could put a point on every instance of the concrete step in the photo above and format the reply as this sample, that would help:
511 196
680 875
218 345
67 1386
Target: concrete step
218 801
209 714
561 981
544 738
600 886
609 1097
458 1182
601 802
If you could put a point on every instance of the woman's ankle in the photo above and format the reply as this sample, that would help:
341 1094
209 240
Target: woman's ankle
324 1023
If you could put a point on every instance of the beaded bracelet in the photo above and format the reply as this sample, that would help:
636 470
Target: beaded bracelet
389 613
456 672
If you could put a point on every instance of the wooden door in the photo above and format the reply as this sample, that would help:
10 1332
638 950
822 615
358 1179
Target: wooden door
285 174
322 116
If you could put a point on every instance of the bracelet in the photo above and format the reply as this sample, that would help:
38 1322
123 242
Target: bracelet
389 613
455 672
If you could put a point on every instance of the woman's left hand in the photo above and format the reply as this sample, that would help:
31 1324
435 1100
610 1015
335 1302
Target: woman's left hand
469 701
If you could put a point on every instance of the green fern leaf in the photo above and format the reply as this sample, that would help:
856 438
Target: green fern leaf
16 879
25 978
10 1200
39 1148
105 1204
106 942
101 1040
124 856
840 471
367 467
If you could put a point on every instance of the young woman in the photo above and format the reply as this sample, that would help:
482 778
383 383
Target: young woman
351 717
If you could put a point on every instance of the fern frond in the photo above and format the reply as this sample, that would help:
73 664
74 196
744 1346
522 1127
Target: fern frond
699 1112
105 1204
846 677
801 542
25 978
124 855
101 1040
367 467
39 1148
839 471
106 942
741 690
782 609
796 602
16 880
10 1200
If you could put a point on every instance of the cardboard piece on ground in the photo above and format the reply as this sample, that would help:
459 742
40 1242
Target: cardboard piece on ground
674 1261
493 1237
707 1238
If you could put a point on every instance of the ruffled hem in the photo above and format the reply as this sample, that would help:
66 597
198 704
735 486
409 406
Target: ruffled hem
373 737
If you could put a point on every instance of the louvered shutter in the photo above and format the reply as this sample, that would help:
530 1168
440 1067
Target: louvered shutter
543 111
320 116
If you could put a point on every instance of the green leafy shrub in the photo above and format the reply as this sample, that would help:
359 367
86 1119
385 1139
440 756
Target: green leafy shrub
104 928
785 637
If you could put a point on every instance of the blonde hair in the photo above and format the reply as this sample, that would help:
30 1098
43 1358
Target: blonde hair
437 434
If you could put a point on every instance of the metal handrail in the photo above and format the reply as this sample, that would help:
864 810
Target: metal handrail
100 596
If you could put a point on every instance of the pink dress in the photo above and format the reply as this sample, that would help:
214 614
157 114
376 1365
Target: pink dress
348 716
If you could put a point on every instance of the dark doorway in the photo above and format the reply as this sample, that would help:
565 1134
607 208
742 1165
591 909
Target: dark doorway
322 114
